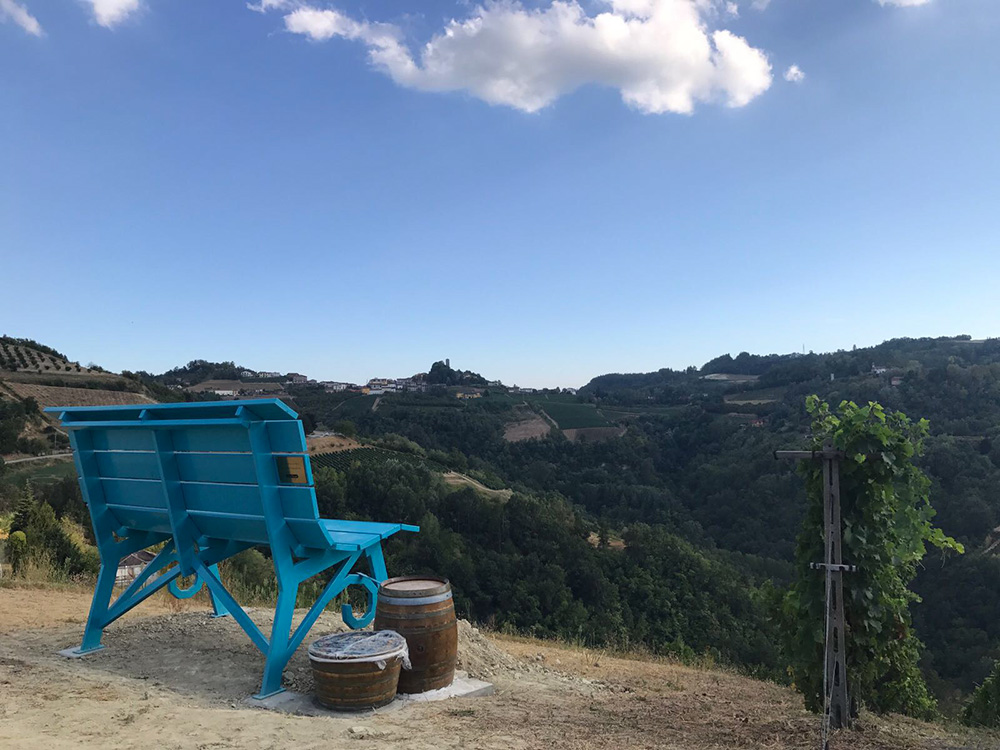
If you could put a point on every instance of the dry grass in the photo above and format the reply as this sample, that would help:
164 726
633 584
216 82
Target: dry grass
34 601
455 479
50 395
614 542
331 444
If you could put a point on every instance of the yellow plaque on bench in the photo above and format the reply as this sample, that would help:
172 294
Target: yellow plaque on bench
291 469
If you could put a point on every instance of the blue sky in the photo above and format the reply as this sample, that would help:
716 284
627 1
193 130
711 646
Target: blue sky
541 193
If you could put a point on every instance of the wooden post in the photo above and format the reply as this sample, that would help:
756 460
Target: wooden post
837 709
836 704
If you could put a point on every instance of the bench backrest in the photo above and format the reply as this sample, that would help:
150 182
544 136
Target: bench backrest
234 469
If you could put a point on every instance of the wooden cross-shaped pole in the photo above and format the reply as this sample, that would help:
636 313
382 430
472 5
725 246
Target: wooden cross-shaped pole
836 705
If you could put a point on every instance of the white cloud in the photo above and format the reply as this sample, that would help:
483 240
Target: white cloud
14 11
660 54
732 9
762 4
265 5
794 74
109 13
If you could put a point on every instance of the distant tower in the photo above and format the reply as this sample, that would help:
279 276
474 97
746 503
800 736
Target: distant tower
447 363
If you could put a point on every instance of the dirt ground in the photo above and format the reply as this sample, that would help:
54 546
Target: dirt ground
171 677
526 429
331 444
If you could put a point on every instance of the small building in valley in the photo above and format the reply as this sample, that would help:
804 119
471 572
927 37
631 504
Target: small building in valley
131 566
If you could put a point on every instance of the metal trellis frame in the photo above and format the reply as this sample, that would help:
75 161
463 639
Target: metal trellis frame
836 703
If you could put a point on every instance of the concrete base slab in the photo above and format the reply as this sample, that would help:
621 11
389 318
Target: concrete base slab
462 687
301 704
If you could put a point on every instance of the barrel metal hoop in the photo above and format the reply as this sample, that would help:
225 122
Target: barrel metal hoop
437 586
414 601
388 622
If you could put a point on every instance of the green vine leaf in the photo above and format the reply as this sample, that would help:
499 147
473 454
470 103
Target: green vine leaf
887 524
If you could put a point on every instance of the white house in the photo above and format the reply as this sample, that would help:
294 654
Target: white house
130 567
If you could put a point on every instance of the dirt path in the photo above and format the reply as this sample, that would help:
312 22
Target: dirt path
454 478
37 458
179 680
547 418
337 406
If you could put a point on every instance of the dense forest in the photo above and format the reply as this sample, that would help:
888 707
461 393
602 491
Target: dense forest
696 463
674 536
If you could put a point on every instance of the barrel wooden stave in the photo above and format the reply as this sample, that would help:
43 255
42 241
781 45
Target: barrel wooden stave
430 629
356 686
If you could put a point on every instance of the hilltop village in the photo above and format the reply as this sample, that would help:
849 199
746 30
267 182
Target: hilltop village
266 383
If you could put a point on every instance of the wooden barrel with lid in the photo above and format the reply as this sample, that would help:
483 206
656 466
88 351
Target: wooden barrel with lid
421 609
350 675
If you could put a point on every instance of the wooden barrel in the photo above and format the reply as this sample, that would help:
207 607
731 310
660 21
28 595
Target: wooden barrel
422 611
355 671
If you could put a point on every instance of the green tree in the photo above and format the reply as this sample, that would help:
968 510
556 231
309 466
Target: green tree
886 517
983 709
330 492
23 509
345 427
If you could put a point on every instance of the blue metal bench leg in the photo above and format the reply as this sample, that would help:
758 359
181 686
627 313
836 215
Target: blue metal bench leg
98 616
219 608
278 652
376 562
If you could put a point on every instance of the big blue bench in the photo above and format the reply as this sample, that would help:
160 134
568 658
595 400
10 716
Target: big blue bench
209 480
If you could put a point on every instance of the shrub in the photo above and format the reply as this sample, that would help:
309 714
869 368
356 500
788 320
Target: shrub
886 516
346 427
983 709
52 545
36 566
17 546
250 578
32 446
394 442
